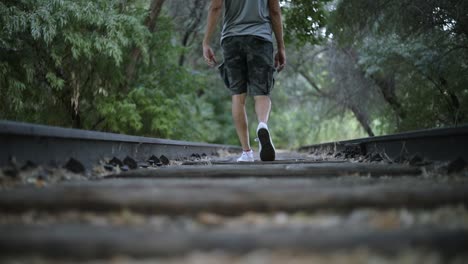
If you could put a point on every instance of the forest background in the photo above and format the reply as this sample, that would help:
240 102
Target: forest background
355 68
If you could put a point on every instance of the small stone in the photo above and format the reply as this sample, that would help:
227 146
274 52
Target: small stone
42 176
131 163
164 160
195 156
210 219
352 150
11 172
416 160
456 165
31 180
124 168
153 159
29 165
40 183
74 166
116 162
108 167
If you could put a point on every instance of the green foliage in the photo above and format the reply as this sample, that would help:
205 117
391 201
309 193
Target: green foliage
420 47
391 65
428 78
57 50
297 127
63 63
121 115
305 20
396 65
354 19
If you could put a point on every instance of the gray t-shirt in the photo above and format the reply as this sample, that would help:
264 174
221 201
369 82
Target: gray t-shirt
247 17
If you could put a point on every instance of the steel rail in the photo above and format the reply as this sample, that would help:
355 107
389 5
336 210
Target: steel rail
441 144
46 144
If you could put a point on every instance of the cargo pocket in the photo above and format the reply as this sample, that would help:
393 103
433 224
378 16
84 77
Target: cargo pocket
224 75
271 78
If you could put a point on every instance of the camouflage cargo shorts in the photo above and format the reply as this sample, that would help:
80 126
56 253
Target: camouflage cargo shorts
248 65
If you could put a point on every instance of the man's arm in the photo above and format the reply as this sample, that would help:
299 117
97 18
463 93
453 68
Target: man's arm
277 26
213 16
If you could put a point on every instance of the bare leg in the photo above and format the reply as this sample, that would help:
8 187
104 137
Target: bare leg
262 108
240 119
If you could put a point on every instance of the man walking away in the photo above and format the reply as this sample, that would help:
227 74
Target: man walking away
248 67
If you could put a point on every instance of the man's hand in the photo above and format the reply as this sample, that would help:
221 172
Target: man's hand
280 59
277 26
209 56
214 13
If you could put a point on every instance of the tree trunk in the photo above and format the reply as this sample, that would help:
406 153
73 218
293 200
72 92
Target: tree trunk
362 119
360 116
154 11
386 84
452 101
184 44
196 16
75 102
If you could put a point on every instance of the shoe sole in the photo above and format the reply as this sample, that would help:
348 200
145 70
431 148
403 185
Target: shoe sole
268 151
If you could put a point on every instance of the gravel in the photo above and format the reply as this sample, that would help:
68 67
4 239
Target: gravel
448 217
451 217
267 257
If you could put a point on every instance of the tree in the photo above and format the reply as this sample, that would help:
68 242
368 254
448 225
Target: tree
189 20
332 74
56 56
65 63
414 52
305 20
150 23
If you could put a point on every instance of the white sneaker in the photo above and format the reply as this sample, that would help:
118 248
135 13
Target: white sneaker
267 149
247 156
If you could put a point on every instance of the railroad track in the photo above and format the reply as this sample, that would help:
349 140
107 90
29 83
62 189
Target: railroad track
439 144
330 207
54 145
